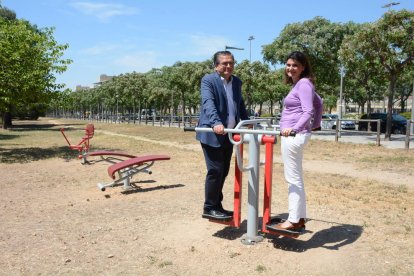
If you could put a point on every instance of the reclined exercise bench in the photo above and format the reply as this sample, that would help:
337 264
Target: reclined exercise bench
128 168
108 156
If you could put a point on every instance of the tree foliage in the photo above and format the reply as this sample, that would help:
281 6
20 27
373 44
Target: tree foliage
320 39
384 50
29 59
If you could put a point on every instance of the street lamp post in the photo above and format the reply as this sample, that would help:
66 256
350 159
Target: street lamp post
117 114
412 110
342 72
172 107
250 71
250 40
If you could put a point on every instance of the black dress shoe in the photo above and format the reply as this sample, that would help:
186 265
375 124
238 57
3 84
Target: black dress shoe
216 214
224 211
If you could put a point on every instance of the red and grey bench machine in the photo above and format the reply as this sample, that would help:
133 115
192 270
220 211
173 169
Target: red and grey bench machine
124 165
254 137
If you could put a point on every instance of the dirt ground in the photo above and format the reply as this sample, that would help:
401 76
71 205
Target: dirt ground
54 220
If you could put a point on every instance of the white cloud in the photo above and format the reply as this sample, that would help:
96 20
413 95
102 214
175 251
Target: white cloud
139 61
103 11
207 45
99 49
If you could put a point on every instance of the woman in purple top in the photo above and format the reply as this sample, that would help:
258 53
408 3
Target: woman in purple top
302 113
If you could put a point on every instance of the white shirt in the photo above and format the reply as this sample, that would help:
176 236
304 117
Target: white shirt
228 87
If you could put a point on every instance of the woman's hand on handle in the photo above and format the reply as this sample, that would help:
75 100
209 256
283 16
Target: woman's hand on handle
286 132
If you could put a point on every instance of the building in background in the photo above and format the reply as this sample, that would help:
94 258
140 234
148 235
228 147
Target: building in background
102 78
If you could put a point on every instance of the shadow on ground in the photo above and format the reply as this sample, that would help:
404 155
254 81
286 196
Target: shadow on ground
138 189
30 127
331 238
232 233
40 126
8 136
24 155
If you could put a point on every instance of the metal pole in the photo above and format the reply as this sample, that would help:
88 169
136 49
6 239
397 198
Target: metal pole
172 106
117 116
251 236
340 92
250 40
412 109
250 92
250 51
378 132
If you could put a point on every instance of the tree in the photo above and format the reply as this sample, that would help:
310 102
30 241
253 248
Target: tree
260 84
29 59
387 47
245 72
320 40
273 88
7 13
404 88
185 78
363 81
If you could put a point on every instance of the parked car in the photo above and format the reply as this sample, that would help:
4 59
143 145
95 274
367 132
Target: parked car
399 123
329 122
277 118
149 114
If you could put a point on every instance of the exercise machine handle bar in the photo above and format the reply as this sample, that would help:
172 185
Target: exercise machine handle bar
239 130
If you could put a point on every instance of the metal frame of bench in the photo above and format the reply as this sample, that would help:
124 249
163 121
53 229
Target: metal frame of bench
128 168
108 156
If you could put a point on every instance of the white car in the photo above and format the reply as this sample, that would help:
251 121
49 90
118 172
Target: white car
329 122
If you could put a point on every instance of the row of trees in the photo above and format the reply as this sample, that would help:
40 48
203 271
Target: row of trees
29 59
170 90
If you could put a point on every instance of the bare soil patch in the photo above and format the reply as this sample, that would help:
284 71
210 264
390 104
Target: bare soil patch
55 221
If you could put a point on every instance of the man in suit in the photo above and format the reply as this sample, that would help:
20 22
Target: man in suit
222 106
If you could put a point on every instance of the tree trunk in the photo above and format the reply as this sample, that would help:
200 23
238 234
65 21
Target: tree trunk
391 89
369 104
7 120
402 104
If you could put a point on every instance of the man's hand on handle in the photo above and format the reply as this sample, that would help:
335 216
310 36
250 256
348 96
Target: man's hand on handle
218 129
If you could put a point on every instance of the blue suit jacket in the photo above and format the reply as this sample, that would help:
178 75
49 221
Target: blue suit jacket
214 107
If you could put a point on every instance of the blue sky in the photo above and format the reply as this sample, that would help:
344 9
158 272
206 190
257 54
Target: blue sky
114 37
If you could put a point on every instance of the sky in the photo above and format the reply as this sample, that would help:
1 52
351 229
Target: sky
116 37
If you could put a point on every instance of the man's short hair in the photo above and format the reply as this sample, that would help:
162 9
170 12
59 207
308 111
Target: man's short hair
221 53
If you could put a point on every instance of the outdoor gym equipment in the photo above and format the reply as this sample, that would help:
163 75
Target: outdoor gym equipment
84 144
254 137
128 168
124 165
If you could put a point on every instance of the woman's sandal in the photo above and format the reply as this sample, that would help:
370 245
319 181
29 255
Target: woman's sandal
293 228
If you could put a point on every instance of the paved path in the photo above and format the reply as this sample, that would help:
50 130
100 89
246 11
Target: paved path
397 140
